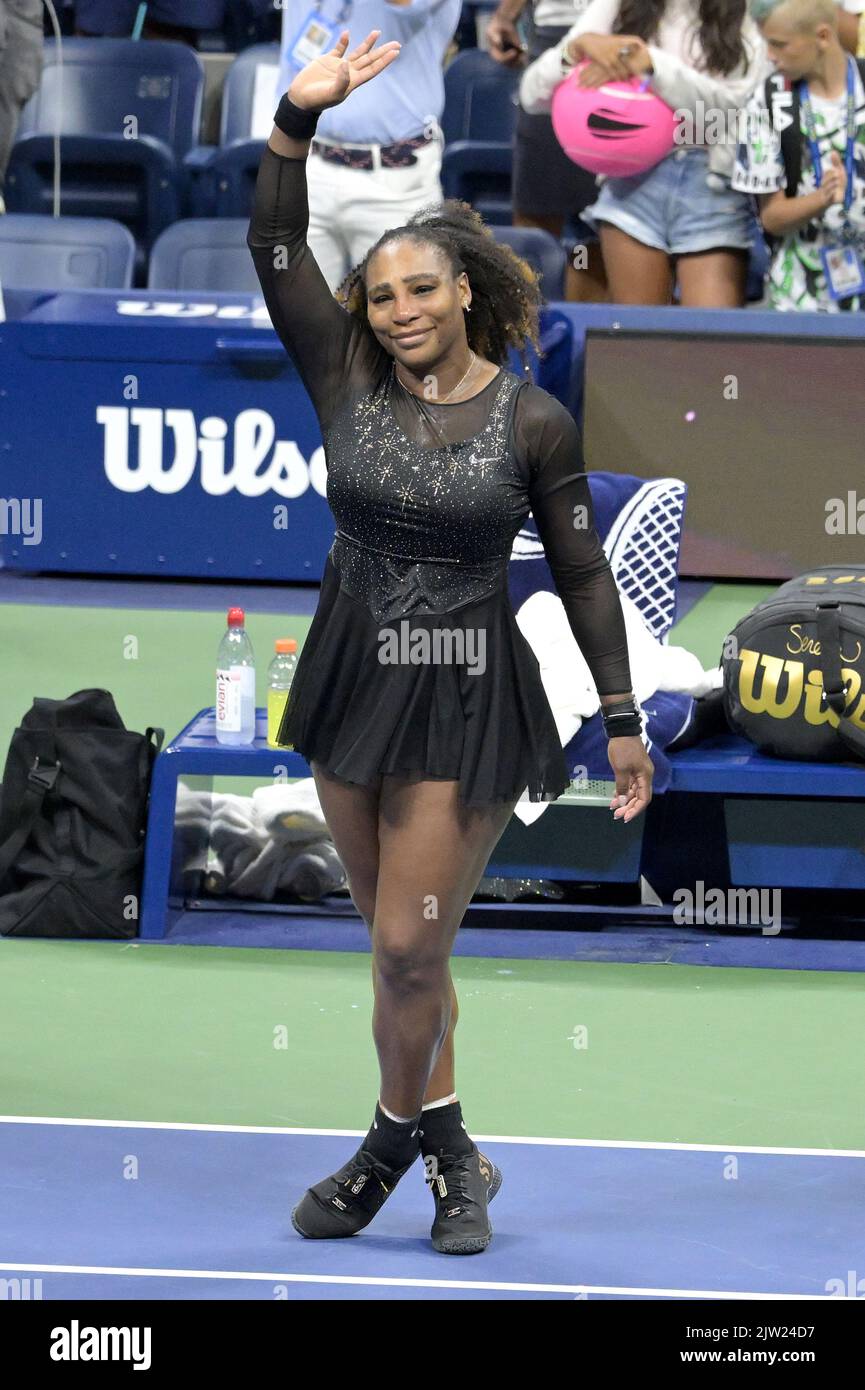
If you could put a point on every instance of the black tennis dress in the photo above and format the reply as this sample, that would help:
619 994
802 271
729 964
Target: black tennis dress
414 661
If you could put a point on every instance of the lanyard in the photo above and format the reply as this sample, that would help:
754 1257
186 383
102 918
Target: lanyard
811 131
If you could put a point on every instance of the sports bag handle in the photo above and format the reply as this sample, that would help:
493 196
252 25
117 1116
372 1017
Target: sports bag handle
40 781
829 637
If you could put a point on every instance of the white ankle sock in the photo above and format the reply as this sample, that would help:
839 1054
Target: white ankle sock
398 1119
434 1104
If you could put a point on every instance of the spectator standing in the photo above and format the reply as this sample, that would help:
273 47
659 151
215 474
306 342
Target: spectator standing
377 158
20 69
681 218
548 188
819 250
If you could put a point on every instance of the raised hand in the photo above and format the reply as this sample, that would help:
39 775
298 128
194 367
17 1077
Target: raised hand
333 76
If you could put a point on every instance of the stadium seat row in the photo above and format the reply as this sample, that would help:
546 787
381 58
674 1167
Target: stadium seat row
122 119
194 254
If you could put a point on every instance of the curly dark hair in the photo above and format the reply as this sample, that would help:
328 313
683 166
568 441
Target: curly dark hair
506 291
719 29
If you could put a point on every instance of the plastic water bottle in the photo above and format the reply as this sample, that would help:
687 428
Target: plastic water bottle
235 684
280 674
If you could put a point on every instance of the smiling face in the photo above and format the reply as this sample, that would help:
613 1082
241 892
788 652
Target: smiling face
411 291
796 49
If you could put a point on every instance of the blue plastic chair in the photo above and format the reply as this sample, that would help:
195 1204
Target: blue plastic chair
65 253
203 253
222 179
479 172
480 98
543 253
110 168
478 121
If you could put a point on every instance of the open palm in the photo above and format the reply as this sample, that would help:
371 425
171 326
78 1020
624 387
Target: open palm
329 79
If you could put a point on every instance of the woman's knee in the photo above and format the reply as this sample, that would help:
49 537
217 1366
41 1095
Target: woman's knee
407 968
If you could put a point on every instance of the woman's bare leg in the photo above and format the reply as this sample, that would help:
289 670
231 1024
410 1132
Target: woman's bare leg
636 273
351 813
432 854
713 279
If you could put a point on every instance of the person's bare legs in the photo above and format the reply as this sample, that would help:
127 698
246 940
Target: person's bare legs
582 286
352 816
636 273
713 279
432 854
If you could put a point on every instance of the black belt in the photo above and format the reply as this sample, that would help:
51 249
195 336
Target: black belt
398 156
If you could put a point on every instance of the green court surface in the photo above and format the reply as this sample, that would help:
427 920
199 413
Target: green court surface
558 1049
282 1038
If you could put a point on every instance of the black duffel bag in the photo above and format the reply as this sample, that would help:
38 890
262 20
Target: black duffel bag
794 668
73 819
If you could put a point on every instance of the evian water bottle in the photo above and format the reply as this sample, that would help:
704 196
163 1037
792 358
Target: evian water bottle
235 684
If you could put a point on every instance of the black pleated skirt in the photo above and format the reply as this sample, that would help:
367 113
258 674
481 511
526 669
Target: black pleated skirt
360 718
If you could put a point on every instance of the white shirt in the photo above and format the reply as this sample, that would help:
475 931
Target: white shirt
676 79
559 14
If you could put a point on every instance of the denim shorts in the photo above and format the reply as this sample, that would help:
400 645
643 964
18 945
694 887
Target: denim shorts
677 206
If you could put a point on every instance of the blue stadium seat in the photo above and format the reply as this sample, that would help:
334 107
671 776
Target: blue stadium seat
478 122
128 113
480 98
65 253
117 17
204 253
543 253
222 180
479 172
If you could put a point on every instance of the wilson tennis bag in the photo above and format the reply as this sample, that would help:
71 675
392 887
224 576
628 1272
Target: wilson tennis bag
72 820
796 684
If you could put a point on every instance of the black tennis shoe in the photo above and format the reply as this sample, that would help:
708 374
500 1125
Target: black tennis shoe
344 1203
462 1188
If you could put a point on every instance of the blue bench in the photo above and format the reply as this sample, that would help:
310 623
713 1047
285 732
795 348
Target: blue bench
729 812
196 757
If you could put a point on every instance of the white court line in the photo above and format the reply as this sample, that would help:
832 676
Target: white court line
497 1286
479 1138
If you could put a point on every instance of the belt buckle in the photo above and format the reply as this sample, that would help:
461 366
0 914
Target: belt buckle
45 775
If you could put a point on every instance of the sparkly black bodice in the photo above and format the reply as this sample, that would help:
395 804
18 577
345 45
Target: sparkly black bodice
428 496
421 530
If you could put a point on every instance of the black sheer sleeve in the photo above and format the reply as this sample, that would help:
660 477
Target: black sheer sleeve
332 351
548 444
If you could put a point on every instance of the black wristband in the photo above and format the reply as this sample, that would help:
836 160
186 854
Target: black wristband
622 720
629 726
294 122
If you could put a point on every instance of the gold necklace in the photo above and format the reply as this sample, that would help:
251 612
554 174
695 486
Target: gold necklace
453 390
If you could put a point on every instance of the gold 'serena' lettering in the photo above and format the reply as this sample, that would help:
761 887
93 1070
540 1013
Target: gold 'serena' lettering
812 646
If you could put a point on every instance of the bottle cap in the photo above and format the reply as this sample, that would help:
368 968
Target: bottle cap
286 644
236 617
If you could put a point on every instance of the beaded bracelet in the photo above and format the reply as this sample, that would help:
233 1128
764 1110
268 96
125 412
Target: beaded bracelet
294 121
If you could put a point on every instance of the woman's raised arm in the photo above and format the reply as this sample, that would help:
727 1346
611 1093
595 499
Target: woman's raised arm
326 343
